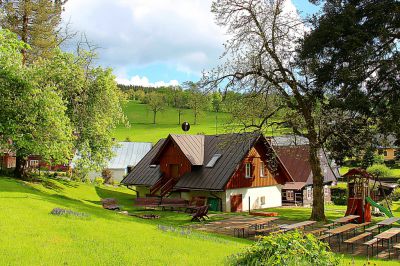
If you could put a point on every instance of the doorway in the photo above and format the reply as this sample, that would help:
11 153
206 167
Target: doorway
236 203
174 171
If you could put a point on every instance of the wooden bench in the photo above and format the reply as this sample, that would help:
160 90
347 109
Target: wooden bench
370 243
266 230
329 225
372 228
147 202
173 203
353 240
364 225
317 231
110 204
323 237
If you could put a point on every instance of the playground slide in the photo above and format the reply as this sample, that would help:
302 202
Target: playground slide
380 207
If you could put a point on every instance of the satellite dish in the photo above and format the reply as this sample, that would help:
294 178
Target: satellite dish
185 126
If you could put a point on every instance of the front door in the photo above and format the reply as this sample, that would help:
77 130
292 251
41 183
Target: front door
174 171
236 203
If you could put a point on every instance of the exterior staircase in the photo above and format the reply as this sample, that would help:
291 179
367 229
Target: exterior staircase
157 186
163 185
168 186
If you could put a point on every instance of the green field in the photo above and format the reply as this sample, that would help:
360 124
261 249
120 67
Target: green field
30 235
142 127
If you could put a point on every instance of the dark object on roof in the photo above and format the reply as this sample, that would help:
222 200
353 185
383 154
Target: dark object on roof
233 147
296 161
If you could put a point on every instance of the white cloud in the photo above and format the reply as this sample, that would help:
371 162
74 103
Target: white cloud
144 81
181 35
143 32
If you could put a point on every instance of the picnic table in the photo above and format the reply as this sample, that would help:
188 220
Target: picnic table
346 219
381 224
240 228
301 225
388 235
339 231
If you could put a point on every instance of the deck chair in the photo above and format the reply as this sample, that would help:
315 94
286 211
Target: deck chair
200 214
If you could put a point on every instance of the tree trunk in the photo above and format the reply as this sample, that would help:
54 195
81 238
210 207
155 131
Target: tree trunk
154 117
179 119
318 210
19 170
195 118
24 35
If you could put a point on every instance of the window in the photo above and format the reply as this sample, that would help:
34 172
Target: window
213 160
262 200
385 153
34 163
289 195
248 170
262 169
309 193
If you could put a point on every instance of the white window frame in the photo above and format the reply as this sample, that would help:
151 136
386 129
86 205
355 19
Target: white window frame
289 195
262 169
262 200
309 193
326 190
247 173
34 163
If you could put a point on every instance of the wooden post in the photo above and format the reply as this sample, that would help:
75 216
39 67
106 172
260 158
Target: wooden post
249 204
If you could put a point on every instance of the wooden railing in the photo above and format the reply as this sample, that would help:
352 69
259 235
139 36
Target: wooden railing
167 187
156 187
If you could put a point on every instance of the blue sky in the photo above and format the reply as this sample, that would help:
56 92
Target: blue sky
154 42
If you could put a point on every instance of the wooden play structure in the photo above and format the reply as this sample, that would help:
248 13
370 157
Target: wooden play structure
360 197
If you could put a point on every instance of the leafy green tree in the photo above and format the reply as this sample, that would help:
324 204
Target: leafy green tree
269 53
368 157
181 102
36 22
92 100
156 103
197 100
34 115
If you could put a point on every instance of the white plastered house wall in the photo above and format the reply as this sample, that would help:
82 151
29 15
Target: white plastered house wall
272 197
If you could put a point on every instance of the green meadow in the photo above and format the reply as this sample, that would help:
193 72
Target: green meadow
142 128
30 235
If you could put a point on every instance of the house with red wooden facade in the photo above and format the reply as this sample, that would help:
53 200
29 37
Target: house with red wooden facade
234 172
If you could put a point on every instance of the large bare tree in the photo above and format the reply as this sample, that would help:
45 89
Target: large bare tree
261 57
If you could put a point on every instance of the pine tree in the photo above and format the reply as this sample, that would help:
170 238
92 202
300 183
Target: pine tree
36 22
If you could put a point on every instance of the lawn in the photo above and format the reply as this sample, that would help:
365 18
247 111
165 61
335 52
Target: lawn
32 236
142 127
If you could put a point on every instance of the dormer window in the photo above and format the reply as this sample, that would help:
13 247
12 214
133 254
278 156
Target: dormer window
248 170
213 160
262 169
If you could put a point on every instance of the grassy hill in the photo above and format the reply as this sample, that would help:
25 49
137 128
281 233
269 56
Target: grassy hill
142 127
30 235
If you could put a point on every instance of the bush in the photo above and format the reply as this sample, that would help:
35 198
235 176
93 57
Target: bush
293 248
107 176
339 195
98 181
395 195
380 170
